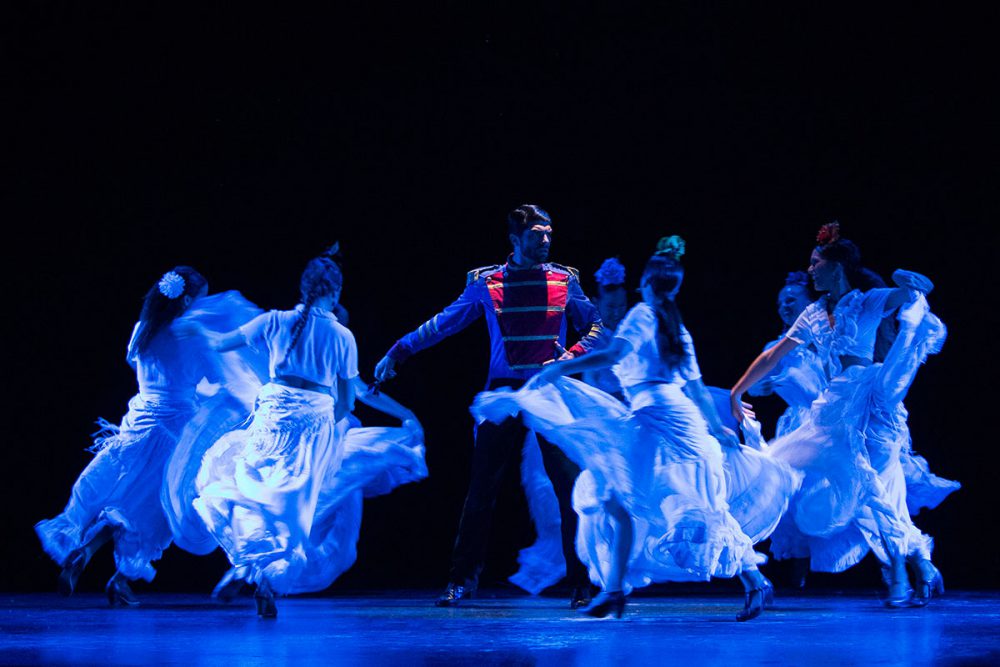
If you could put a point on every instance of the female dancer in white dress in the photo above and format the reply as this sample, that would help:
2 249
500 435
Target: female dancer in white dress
652 497
800 378
848 444
269 494
116 497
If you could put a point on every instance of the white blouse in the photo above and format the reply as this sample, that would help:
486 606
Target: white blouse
325 350
643 362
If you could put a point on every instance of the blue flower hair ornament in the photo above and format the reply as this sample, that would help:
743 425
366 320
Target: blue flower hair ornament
171 285
672 246
612 272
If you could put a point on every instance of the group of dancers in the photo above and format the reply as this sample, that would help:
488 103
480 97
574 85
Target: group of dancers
242 434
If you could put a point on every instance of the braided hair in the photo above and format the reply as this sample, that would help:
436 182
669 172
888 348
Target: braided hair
663 274
164 302
321 277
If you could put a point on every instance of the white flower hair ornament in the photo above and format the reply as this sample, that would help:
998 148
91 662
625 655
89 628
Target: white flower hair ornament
171 285
612 272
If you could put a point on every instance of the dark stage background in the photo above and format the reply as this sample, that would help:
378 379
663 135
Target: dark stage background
244 141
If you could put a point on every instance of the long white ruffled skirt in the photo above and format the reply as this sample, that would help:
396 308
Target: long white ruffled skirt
659 461
119 490
851 447
284 496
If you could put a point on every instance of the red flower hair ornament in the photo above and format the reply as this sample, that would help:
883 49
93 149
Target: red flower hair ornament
829 233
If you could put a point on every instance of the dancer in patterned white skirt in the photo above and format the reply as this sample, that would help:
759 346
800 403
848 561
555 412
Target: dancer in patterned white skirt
268 493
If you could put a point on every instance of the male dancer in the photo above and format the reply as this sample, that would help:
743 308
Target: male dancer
526 302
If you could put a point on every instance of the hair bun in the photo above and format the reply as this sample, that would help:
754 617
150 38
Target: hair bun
672 246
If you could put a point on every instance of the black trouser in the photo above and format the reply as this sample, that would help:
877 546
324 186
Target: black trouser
496 446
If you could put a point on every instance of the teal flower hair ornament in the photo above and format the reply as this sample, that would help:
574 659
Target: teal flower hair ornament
672 246
171 285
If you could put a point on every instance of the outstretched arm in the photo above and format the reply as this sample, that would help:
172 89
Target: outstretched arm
460 314
761 366
217 342
604 358
381 402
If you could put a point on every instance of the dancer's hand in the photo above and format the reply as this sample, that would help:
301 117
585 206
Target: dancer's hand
564 354
736 406
386 369
747 410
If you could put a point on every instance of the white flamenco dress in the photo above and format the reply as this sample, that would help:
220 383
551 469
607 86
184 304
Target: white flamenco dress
849 444
120 488
283 495
657 458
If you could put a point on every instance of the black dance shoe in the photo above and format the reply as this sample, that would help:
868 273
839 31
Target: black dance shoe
581 597
119 592
606 603
264 598
453 594
229 586
900 596
71 571
926 589
768 588
753 606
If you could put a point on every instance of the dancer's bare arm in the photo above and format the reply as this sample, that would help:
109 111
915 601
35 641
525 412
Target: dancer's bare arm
761 366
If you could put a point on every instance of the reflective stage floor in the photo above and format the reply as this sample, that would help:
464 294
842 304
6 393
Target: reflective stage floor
963 628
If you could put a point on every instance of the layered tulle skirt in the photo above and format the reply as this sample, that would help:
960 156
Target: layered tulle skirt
119 489
659 461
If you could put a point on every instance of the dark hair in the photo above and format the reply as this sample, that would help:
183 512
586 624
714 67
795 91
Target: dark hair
321 277
847 254
663 274
524 217
158 309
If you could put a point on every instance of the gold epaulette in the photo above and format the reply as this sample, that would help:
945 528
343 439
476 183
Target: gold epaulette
475 274
568 269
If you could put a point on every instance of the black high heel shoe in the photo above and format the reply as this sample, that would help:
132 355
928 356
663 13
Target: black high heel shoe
71 571
768 592
264 597
927 589
753 605
120 593
901 597
581 597
606 603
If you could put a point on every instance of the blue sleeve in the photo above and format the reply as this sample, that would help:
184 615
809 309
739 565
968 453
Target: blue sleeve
462 312
585 318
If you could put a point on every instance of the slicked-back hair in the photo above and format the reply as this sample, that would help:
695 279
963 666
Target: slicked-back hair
525 217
